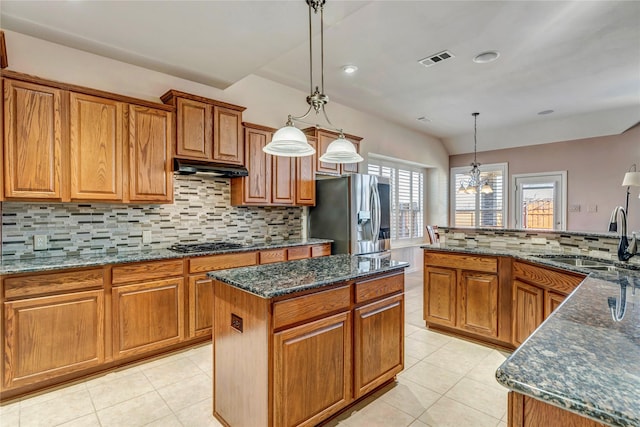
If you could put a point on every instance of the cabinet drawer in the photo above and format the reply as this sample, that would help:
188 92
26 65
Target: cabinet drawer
321 250
146 271
221 262
275 255
371 289
546 278
296 310
298 252
464 262
38 284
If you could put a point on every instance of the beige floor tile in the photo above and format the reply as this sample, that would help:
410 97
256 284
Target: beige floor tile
502 424
90 420
458 356
418 423
431 376
119 390
53 394
410 329
410 397
62 408
185 393
120 373
168 421
484 398
202 357
409 361
199 415
171 372
485 371
449 413
379 414
414 318
10 414
434 338
138 411
418 349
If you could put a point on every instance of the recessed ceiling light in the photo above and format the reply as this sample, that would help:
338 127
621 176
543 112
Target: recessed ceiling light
485 57
349 69
544 112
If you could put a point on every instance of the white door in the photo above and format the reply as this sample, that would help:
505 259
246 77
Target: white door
540 201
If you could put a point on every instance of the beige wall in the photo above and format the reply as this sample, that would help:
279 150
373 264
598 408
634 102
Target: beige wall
268 103
595 169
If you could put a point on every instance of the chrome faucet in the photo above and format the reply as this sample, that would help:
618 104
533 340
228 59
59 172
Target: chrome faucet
625 249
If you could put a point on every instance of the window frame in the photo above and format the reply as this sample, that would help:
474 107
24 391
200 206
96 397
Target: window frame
504 167
412 167
561 176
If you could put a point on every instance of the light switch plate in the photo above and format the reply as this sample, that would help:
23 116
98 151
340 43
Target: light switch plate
40 242
146 237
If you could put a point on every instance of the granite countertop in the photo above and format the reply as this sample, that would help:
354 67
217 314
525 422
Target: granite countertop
57 263
580 358
272 280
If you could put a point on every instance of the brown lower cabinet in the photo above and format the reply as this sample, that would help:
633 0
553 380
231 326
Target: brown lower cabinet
63 325
467 294
525 411
297 360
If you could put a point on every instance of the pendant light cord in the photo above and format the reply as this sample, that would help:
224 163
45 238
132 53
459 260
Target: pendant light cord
475 135
310 53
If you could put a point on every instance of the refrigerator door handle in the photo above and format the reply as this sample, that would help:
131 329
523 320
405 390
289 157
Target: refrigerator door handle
375 226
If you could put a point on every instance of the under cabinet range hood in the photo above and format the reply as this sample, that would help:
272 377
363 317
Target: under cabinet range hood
190 167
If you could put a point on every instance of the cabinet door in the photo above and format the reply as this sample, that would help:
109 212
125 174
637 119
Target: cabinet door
33 140
320 353
283 180
147 316
551 301
440 296
256 188
96 144
528 305
194 129
228 146
306 177
200 305
324 139
150 140
51 336
351 167
378 343
478 303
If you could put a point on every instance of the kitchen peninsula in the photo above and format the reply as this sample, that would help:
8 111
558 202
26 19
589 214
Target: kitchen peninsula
578 341
295 343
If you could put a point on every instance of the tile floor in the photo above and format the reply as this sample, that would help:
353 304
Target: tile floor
446 382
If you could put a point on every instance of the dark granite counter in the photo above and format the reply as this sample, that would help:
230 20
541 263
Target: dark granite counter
57 263
583 360
272 280
585 357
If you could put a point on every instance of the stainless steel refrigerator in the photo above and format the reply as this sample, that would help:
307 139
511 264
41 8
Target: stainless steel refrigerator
354 211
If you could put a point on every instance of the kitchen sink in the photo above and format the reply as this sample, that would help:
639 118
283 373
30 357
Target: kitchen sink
581 262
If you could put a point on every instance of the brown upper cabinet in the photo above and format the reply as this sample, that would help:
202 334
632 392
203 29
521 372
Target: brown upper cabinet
272 180
69 143
324 138
207 130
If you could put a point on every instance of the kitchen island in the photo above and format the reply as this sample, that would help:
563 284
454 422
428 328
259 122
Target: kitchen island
581 366
295 343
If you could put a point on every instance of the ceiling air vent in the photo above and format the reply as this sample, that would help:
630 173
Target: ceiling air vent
434 59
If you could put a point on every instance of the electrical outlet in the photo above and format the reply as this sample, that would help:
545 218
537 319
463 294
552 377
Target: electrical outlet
40 242
146 237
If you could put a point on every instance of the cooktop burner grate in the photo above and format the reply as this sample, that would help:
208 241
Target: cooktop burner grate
205 247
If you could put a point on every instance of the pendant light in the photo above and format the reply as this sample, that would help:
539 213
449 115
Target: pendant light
475 182
290 141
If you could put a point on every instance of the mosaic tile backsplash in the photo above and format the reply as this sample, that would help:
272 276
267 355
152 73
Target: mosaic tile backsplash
201 211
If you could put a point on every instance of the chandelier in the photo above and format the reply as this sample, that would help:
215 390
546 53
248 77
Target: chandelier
475 183
290 141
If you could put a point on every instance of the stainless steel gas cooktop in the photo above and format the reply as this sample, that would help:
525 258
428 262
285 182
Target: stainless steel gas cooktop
205 247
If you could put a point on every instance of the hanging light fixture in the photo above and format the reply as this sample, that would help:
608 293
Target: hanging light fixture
475 182
290 141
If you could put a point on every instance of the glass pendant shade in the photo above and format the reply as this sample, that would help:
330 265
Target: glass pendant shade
289 141
341 151
486 189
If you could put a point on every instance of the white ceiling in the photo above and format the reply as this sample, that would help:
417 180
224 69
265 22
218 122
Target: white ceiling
579 58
